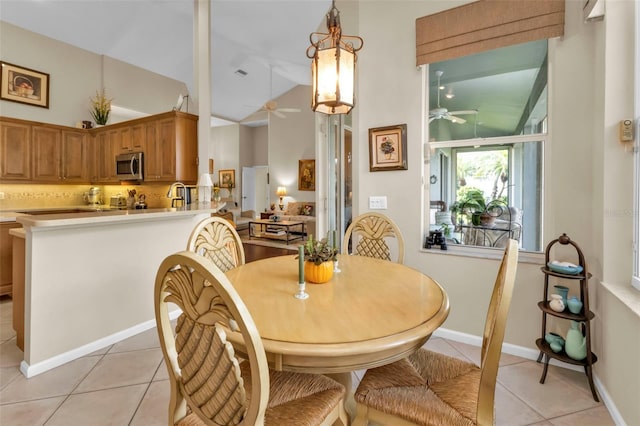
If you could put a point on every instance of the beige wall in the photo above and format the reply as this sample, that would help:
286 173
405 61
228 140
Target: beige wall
75 75
291 139
587 174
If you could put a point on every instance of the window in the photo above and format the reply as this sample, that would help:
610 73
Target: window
487 130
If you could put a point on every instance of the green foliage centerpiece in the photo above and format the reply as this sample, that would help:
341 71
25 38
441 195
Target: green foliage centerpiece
100 107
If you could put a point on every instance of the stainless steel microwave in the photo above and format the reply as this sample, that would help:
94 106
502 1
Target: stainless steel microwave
129 166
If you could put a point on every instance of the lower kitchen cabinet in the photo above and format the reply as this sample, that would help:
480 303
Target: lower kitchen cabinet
6 269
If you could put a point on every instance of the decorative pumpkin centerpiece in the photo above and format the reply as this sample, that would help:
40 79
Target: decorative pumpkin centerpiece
319 257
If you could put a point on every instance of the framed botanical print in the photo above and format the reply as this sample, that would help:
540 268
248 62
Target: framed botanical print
227 178
307 175
388 148
24 85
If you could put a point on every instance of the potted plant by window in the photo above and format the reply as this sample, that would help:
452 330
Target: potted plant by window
319 257
100 107
472 203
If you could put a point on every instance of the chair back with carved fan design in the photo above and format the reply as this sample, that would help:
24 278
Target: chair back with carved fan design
204 374
218 371
216 239
373 235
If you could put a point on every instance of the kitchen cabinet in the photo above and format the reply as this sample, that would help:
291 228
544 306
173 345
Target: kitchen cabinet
105 158
171 150
6 258
46 153
35 152
59 155
134 140
15 151
74 156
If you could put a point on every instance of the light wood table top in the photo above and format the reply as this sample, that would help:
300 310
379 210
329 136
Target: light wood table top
371 313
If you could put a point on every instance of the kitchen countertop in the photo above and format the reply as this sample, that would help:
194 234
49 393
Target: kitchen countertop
104 215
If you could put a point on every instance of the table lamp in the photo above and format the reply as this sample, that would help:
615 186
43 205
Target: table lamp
281 192
204 188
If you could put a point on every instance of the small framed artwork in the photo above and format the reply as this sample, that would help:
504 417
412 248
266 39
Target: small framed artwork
24 85
226 178
388 148
307 175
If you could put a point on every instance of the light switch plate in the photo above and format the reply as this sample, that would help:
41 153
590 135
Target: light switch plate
378 202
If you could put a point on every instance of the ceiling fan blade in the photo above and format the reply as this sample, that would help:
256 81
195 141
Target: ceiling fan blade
277 113
464 112
455 119
289 109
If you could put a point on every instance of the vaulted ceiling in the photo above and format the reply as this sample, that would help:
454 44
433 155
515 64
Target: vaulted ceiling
254 36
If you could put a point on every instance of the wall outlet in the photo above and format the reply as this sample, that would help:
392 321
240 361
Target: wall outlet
378 202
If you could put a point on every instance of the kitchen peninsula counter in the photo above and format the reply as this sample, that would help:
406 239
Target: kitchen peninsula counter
89 277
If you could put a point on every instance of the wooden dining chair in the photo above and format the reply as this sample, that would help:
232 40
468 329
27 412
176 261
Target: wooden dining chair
210 385
429 388
216 239
370 235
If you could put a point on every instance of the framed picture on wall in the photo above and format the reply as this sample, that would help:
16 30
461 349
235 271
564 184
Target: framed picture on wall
24 85
307 175
226 178
388 148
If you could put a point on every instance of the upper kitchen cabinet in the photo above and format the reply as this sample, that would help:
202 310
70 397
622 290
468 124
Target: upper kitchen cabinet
171 151
15 151
130 138
59 156
47 153
74 156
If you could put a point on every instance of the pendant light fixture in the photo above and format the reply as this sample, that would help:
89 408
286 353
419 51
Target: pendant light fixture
333 67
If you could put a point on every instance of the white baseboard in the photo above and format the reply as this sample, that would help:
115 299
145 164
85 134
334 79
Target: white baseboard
30 370
532 354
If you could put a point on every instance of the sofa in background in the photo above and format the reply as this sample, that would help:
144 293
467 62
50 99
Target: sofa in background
300 211
240 218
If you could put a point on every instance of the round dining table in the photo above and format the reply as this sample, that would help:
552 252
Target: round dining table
371 313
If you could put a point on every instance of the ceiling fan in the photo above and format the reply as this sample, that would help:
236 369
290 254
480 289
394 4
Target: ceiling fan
440 112
271 106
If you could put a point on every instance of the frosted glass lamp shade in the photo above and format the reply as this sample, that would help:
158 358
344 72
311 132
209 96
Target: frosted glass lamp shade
204 188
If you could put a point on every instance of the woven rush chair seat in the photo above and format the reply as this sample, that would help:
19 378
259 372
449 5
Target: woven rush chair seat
210 384
216 238
429 388
370 235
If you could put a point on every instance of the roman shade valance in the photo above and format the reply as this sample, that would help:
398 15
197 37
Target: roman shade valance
486 25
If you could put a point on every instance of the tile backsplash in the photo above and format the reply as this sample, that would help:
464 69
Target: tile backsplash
30 196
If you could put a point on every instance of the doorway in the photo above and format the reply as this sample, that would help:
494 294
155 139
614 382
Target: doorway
255 188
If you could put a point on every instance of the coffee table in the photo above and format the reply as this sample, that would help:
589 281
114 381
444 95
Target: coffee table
281 228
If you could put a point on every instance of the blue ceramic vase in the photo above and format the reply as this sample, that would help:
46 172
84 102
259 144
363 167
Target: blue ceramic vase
574 304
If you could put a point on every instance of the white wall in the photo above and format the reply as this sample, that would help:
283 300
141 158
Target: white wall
74 77
225 151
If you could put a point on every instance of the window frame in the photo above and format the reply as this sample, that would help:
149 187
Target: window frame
635 277
429 147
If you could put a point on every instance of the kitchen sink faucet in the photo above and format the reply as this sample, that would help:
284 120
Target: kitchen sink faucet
178 196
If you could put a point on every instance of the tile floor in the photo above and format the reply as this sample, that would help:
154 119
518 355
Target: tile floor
126 384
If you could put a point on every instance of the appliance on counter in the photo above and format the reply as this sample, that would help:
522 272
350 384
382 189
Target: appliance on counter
93 197
118 202
129 166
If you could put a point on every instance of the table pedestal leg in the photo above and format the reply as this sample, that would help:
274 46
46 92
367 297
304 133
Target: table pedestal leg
349 403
